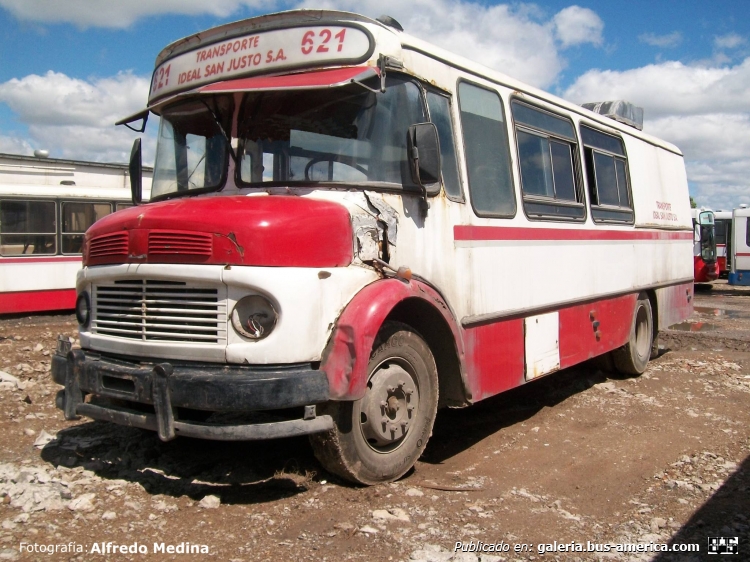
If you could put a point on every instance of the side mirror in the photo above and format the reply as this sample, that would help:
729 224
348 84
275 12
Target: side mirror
706 217
136 173
424 156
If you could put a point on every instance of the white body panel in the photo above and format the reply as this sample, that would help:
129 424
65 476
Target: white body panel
541 336
32 275
307 305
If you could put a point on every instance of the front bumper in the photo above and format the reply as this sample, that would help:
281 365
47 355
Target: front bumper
152 395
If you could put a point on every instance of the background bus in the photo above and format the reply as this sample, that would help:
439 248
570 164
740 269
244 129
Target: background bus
705 265
723 222
740 250
46 205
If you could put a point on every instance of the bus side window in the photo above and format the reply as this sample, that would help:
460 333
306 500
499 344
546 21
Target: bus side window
487 152
76 219
747 232
546 154
27 227
440 115
607 175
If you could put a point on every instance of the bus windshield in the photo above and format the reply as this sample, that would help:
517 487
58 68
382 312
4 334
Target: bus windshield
345 134
348 134
191 152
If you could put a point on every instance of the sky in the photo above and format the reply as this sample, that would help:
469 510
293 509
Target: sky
70 69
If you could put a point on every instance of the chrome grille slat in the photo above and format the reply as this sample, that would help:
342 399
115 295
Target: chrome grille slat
163 311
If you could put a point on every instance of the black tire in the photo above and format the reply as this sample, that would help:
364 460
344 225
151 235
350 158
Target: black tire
402 387
632 358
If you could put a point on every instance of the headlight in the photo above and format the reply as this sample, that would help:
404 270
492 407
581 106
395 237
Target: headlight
254 317
83 309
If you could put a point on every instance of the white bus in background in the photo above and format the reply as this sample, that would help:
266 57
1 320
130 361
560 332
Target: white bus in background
46 205
350 227
739 273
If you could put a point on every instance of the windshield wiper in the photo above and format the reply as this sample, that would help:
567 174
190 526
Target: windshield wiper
224 134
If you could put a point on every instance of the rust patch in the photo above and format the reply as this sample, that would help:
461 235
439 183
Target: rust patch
233 239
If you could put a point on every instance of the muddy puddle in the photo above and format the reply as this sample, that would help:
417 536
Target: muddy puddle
694 327
723 313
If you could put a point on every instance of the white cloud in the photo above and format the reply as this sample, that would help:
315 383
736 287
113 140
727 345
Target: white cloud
729 41
575 25
703 110
57 99
119 13
75 118
669 88
662 41
15 145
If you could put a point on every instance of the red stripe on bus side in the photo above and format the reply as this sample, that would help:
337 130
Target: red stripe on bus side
37 301
479 233
742 255
50 259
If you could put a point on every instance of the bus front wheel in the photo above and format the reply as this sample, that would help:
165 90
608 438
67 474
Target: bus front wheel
632 358
379 437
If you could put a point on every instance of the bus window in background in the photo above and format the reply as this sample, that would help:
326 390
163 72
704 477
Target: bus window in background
76 219
27 227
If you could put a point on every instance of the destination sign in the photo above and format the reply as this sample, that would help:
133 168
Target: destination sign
265 51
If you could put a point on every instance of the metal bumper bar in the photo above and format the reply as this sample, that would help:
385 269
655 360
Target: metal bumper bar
167 388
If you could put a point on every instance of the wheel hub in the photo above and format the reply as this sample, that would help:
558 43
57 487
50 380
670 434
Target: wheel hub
389 406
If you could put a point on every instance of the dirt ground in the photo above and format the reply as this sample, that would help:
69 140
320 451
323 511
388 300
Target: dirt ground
582 457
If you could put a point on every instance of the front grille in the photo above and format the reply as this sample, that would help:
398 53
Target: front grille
159 311
179 243
109 245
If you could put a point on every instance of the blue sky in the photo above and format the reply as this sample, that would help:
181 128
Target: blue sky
69 69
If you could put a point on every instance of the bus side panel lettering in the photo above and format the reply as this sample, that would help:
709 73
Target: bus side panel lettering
578 328
494 357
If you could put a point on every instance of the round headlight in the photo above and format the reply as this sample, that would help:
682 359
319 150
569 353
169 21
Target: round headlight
83 309
254 317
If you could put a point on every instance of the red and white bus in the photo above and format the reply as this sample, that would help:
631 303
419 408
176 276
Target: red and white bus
334 233
723 221
705 263
46 205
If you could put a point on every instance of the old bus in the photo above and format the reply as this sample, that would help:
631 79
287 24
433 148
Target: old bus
705 262
723 220
334 233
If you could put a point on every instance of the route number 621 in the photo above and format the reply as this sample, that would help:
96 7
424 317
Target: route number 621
321 43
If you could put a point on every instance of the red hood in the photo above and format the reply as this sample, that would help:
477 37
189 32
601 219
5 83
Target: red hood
276 230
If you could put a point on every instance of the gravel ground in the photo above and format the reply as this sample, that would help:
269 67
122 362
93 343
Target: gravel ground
581 457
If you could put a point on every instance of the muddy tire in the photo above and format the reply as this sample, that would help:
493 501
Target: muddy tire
379 437
632 358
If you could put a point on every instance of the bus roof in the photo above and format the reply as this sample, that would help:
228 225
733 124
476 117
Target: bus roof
321 17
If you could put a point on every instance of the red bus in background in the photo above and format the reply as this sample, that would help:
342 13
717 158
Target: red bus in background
705 261
723 221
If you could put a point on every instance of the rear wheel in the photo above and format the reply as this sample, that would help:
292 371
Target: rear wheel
379 437
632 358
